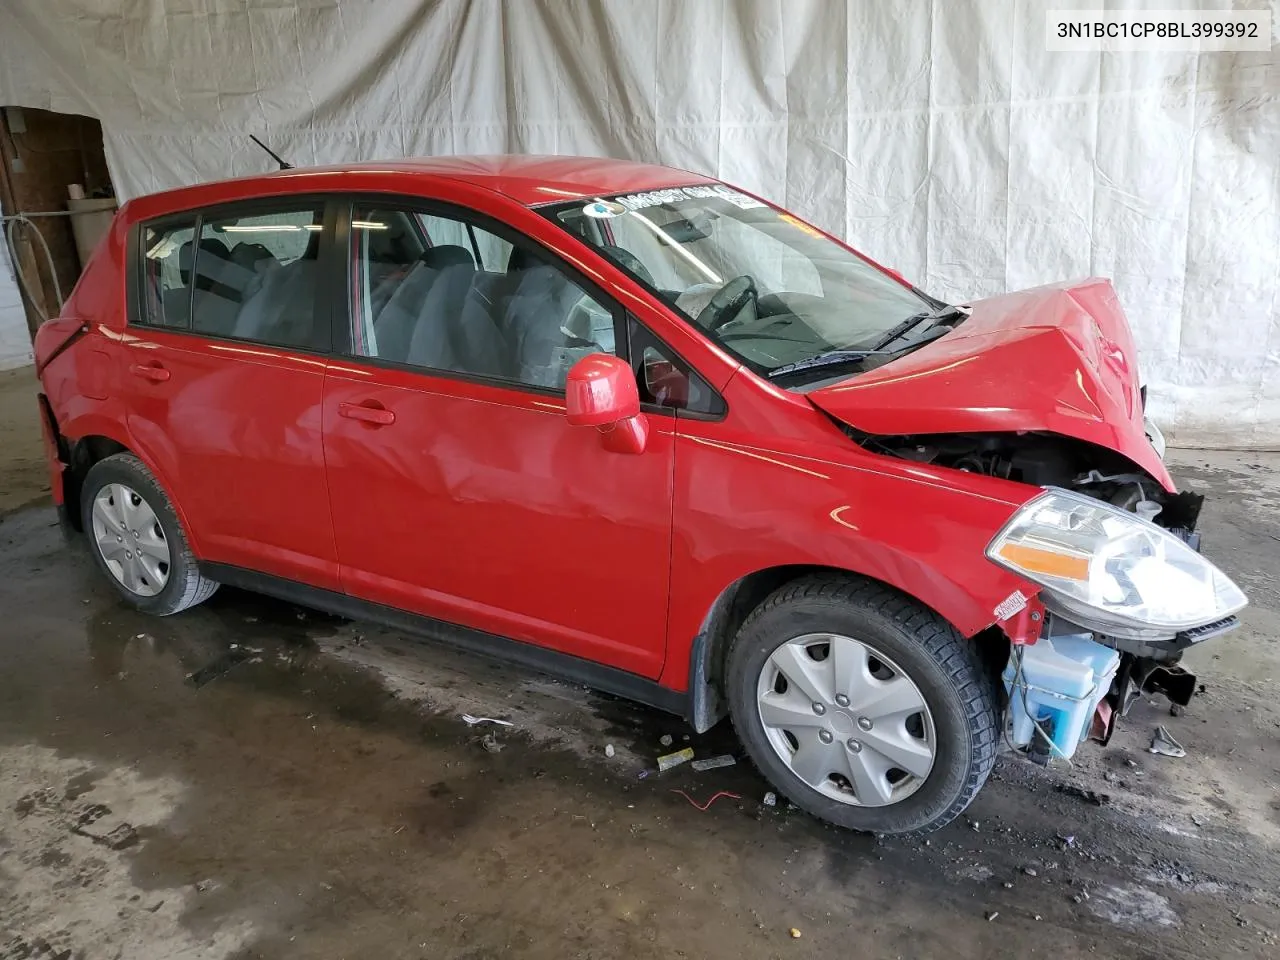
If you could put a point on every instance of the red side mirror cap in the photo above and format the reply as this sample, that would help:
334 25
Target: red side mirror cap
600 390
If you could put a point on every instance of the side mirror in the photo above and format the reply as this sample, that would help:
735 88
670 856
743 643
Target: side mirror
600 391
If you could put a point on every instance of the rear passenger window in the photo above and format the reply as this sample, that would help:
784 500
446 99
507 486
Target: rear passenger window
257 277
166 265
445 294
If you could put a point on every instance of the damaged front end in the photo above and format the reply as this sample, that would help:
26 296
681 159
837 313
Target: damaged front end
1121 596
1121 592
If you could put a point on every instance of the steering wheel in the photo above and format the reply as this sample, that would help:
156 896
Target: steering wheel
727 302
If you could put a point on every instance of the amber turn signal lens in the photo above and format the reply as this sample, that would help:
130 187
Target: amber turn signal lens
1048 563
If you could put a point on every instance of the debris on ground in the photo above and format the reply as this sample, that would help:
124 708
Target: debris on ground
1163 744
795 933
770 799
992 914
712 763
471 721
219 666
491 743
704 807
608 750
665 740
669 760
1031 871
1083 793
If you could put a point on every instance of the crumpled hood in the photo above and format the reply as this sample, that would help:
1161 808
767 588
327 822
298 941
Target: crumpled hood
1058 359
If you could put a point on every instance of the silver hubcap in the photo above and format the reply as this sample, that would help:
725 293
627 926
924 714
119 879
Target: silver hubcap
128 535
846 719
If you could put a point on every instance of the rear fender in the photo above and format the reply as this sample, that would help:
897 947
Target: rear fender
75 434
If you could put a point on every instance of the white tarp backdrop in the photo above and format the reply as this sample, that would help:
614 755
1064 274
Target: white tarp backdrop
937 135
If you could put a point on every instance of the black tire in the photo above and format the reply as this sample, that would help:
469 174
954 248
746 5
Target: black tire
185 586
946 668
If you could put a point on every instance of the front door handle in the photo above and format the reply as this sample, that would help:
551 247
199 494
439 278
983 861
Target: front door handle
369 412
150 371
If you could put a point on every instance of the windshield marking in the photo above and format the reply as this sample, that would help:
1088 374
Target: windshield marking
654 198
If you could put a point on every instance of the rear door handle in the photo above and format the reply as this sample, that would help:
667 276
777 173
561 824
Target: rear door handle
150 371
367 412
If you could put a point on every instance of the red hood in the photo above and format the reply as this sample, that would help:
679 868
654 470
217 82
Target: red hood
1058 359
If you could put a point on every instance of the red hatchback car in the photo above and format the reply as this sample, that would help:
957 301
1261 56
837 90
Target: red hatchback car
647 431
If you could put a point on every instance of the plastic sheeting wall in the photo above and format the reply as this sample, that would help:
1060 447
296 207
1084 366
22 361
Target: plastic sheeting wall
15 341
937 135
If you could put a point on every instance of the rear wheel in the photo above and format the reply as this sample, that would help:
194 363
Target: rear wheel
136 540
861 706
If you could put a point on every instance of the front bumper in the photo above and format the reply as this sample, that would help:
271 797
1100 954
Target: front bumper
1074 684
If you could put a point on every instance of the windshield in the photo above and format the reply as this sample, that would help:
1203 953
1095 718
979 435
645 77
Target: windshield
763 284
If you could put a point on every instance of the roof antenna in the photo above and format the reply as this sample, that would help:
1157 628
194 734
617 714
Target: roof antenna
274 156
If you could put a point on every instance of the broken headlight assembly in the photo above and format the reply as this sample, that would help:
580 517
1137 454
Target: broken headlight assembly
1111 571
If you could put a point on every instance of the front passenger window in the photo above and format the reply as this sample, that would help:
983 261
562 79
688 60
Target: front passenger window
509 313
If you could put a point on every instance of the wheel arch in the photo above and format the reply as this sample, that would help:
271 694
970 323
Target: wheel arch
91 448
706 701
81 454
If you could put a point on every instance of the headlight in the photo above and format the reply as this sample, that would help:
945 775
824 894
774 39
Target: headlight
1112 571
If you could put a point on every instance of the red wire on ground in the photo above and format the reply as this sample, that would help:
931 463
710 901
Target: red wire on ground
714 797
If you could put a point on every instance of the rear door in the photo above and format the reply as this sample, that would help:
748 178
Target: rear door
224 369
459 491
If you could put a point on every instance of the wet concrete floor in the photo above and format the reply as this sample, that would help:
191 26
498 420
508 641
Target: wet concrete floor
251 779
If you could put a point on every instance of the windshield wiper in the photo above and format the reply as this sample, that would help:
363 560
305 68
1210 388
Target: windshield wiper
829 359
836 357
944 312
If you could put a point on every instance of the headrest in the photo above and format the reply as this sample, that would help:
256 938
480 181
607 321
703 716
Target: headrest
628 261
215 246
248 254
522 258
448 255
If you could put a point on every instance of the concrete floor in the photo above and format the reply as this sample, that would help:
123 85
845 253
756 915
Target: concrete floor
23 478
250 779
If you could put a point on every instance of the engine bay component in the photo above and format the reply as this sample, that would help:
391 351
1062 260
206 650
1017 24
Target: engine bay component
1054 688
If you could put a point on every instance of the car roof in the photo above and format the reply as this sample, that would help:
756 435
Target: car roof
526 179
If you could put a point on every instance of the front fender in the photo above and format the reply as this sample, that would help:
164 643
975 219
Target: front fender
740 510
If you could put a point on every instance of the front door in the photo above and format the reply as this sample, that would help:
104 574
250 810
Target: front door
459 491
224 370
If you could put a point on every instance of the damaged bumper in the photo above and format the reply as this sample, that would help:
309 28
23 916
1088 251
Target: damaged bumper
1073 684
1070 681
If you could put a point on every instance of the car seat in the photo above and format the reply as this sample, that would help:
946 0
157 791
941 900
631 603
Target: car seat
453 330
395 324
539 345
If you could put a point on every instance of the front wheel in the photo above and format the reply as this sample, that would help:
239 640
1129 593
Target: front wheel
861 706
